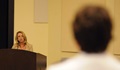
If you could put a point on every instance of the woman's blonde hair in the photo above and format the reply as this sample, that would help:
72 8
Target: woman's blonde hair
24 36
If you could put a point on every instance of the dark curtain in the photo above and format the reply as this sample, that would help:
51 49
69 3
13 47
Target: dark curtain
6 23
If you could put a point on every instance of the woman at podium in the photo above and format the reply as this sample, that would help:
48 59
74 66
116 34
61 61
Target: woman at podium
21 42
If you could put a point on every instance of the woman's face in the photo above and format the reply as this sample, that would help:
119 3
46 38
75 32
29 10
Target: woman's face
20 37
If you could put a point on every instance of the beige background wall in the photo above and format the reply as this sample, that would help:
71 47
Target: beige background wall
54 48
54 38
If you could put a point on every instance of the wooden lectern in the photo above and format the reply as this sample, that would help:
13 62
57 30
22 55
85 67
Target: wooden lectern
12 59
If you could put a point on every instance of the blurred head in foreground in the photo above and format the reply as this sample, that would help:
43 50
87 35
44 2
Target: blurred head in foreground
92 29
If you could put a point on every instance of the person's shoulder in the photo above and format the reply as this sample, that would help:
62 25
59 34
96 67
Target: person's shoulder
14 46
81 61
113 61
57 66
68 64
29 46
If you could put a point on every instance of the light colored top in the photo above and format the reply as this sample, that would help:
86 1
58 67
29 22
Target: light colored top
28 47
84 61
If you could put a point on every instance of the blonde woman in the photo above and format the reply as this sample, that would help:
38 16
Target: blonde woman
21 42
